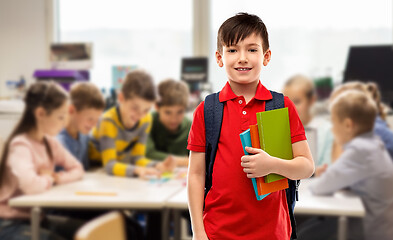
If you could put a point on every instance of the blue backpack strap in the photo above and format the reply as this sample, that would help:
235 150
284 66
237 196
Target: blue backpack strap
276 102
292 191
213 113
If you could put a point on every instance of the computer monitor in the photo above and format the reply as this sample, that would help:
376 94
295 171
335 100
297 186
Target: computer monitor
194 69
75 56
372 64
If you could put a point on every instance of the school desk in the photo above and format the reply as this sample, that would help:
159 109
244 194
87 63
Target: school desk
100 191
342 205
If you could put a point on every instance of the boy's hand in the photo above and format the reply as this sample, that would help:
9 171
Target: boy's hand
258 164
320 170
147 172
168 165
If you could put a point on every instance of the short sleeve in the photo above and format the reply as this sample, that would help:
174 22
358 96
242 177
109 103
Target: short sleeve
297 129
196 137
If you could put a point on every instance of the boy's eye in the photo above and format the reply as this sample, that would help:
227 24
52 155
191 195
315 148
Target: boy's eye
231 50
253 50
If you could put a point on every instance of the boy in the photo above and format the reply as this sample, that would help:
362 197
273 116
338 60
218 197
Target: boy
87 104
230 210
300 89
169 133
119 140
364 166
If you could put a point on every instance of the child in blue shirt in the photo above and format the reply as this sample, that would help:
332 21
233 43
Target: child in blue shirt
87 105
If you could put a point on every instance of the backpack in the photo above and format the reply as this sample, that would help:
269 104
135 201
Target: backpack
213 111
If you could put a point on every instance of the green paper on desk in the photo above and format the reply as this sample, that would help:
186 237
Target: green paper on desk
275 136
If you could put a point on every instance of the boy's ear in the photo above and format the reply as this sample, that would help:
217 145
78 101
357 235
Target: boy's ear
120 97
71 109
266 57
219 59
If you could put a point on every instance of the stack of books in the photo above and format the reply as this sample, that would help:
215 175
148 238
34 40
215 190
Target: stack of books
271 134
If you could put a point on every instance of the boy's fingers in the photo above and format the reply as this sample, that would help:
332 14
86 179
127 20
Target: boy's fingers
246 158
253 150
250 175
245 164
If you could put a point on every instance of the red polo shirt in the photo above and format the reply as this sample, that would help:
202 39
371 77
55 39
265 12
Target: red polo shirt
231 208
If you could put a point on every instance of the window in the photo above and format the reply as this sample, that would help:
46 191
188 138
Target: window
306 36
153 35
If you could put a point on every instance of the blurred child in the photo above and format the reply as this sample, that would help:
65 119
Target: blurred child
30 154
169 133
119 140
364 166
87 104
300 89
381 128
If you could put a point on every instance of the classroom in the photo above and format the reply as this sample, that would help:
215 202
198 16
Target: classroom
196 120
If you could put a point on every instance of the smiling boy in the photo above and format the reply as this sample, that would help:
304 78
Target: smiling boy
119 140
230 209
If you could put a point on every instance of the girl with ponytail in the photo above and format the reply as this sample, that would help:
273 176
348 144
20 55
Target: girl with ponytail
30 154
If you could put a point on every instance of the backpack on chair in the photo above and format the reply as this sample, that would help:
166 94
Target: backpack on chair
213 111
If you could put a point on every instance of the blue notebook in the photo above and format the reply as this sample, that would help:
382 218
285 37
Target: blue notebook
245 138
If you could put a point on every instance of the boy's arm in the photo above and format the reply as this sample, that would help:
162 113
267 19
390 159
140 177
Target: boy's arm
107 134
348 170
195 189
302 164
152 152
261 164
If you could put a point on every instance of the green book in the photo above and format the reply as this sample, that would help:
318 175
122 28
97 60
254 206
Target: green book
275 136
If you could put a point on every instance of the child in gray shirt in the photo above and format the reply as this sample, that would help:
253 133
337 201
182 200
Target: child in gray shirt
364 167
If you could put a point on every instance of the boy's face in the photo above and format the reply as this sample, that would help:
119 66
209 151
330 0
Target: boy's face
243 61
171 116
85 119
343 129
133 109
302 103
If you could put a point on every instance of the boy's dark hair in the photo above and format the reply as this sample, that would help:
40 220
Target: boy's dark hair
48 95
86 95
172 92
138 83
240 26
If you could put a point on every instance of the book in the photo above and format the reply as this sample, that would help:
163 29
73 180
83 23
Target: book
275 136
245 138
264 188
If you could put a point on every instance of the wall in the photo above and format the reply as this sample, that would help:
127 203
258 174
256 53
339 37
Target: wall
24 39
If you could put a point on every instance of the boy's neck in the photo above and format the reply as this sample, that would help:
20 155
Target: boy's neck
246 90
72 131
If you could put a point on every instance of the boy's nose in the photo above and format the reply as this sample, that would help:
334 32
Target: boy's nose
243 57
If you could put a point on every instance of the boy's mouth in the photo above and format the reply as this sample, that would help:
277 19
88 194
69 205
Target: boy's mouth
243 69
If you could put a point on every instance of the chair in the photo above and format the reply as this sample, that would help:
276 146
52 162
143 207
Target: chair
108 226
